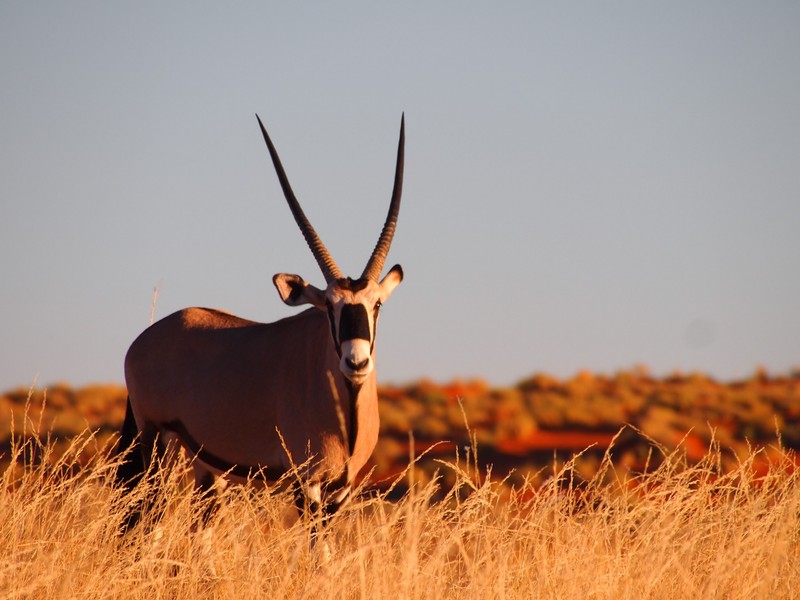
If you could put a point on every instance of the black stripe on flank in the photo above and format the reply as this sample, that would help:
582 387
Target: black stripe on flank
219 463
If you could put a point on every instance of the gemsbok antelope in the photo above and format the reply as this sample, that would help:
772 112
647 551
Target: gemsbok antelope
251 400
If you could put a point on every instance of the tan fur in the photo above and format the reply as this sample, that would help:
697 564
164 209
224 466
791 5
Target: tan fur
232 382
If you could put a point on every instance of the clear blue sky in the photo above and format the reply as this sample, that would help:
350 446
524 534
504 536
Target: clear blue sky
588 185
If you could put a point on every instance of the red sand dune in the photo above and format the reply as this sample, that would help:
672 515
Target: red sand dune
554 440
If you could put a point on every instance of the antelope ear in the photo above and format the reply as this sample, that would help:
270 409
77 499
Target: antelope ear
295 291
391 281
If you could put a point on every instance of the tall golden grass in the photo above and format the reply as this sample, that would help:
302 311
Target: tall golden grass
679 531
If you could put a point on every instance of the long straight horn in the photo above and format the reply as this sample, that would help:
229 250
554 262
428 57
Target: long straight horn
375 265
324 258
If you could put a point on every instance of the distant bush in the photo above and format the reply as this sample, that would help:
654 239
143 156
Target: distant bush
521 427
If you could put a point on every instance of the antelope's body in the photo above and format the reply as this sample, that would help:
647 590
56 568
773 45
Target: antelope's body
229 417
252 400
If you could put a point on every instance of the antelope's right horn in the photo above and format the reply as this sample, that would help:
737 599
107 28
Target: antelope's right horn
324 259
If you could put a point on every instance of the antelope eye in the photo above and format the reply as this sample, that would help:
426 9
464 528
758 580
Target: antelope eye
378 305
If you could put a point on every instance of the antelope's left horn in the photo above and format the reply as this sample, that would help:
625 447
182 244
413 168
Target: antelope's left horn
375 264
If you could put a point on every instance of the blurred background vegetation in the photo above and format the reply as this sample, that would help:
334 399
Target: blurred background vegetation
520 432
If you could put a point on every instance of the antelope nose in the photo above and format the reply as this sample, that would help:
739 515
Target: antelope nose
356 366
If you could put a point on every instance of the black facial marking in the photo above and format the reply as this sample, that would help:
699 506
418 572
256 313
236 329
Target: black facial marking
376 312
353 285
354 323
332 319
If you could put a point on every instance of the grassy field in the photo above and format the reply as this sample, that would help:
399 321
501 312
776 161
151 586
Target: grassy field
680 530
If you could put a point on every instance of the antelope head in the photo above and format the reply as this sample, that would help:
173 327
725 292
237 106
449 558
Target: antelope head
352 305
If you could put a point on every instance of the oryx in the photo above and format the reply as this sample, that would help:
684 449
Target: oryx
250 400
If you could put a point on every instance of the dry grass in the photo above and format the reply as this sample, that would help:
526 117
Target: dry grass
678 532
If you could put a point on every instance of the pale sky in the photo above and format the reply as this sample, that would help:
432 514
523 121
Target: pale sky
588 185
